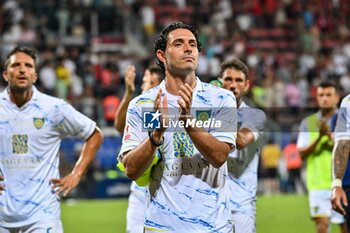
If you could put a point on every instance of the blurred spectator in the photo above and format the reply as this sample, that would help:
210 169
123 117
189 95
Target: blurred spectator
293 96
110 105
49 78
63 80
294 165
270 155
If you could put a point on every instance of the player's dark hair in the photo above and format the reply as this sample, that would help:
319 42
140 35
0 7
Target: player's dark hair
235 64
326 84
162 39
18 49
154 69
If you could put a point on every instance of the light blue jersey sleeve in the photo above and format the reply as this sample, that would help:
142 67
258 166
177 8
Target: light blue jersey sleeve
70 122
227 115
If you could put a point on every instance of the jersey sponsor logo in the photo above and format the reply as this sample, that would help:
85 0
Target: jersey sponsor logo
183 146
38 122
185 166
20 143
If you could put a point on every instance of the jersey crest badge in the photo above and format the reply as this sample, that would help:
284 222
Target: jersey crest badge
203 115
38 122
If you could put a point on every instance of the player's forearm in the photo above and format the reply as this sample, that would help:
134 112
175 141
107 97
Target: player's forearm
245 137
213 150
340 158
120 115
139 159
307 150
88 152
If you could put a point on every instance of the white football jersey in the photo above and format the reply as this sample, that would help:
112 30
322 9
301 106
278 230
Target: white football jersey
187 193
243 164
30 138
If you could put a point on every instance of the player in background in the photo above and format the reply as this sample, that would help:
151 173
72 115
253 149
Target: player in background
315 144
340 162
188 187
152 77
138 196
32 125
243 163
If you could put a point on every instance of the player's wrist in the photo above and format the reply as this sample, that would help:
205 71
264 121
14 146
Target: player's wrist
336 183
156 138
129 93
77 173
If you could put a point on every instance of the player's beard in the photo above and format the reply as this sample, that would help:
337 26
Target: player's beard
18 90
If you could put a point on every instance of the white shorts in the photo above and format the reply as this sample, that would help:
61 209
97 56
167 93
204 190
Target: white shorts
321 207
243 223
135 214
43 226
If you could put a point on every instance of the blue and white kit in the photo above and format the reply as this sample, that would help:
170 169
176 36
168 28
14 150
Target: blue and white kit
30 137
188 194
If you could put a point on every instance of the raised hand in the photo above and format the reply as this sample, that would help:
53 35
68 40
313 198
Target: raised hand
146 81
324 129
161 105
130 75
185 101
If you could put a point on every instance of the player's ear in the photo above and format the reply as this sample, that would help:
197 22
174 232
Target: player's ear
4 74
160 55
246 88
35 77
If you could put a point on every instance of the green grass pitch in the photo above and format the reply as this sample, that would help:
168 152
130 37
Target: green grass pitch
275 214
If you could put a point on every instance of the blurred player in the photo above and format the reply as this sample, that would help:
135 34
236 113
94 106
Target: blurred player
340 163
315 144
243 163
138 197
188 187
31 127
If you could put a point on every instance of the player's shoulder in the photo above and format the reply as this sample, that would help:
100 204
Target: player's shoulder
346 101
256 113
145 99
253 115
216 93
48 101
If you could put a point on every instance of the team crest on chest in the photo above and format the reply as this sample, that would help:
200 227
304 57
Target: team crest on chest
203 115
38 122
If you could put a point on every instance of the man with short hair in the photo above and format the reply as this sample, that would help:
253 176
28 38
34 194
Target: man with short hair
315 144
31 127
188 186
243 163
138 196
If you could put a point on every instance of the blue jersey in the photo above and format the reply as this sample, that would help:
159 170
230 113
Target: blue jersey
30 138
187 193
